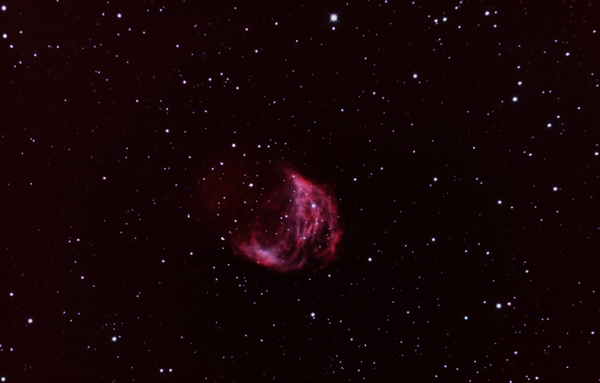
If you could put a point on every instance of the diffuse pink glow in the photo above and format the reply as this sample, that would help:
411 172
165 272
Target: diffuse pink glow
288 224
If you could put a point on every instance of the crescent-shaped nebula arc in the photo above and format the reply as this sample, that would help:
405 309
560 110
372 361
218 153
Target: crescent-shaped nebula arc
272 215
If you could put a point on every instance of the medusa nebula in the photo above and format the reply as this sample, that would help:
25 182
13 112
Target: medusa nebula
272 215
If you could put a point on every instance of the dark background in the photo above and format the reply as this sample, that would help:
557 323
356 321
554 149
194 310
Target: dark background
107 122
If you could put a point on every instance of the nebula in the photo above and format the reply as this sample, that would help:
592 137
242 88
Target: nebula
271 215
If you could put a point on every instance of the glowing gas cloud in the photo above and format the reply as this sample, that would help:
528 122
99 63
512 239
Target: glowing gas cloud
272 215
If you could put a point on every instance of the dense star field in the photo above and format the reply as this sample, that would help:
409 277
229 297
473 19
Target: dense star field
295 191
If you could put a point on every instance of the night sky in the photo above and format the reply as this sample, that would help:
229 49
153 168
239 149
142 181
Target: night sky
458 140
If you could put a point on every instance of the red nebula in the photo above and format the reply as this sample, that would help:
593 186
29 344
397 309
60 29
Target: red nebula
272 215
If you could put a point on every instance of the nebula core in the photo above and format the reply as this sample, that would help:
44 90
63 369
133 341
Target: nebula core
272 215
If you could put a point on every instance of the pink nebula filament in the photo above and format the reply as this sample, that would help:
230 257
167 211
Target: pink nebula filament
292 224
